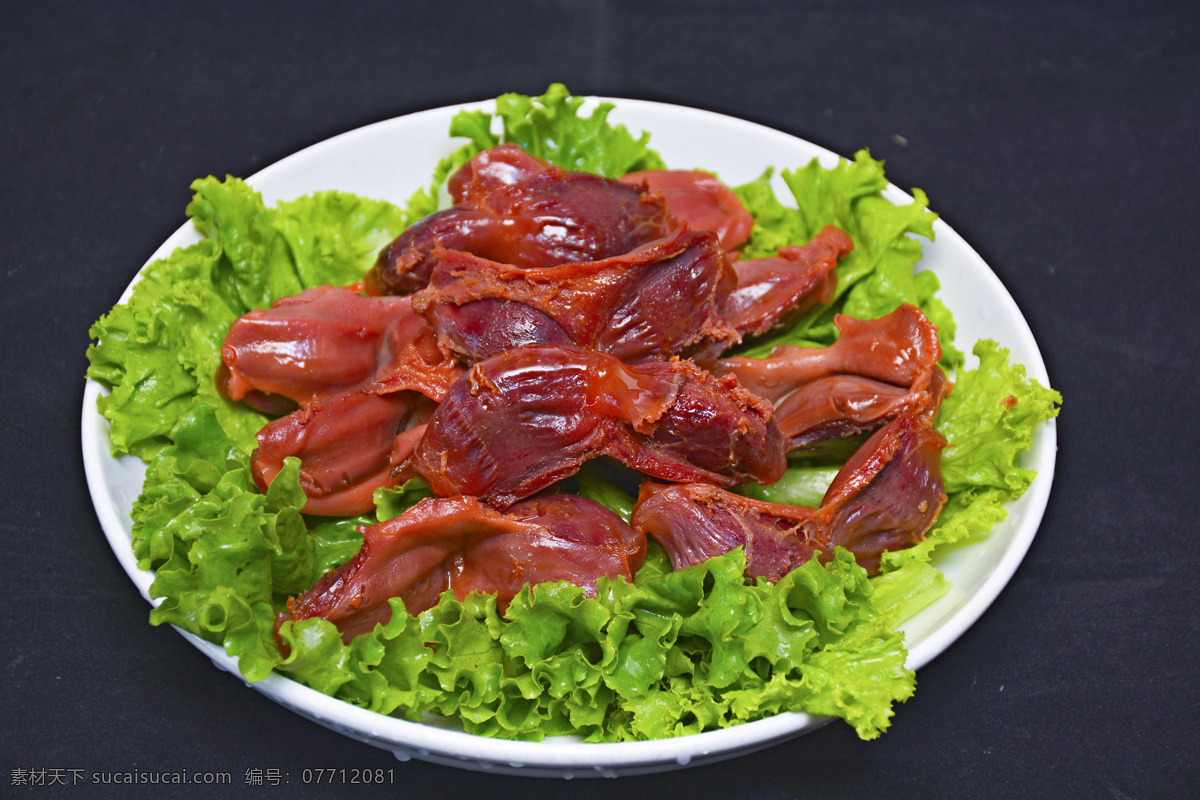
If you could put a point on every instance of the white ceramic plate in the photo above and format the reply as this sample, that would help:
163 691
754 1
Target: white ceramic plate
390 160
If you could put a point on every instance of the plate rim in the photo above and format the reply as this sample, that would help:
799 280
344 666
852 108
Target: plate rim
571 758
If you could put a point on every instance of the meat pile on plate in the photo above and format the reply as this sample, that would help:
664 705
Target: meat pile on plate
551 317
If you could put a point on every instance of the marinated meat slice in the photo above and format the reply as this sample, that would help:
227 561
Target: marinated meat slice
524 419
365 372
660 300
700 200
886 497
349 445
460 545
875 371
403 266
773 291
549 218
490 170
325 341
838 406
698 521
320 342
898 348
416 364
713 427
479 329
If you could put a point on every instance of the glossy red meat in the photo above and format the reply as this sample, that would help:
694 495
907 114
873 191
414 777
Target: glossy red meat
886 497
458 544
700 200
490 170
524 419
548 218
320 342
660 300
349 445
875 371
364 371
325 341
773 291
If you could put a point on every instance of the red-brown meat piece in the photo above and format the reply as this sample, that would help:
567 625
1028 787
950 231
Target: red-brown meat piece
460 545
773 291
875 371
700 200
524 419
365 372
320 342
548 218
660 300
490 170
349 445
885 498
325 341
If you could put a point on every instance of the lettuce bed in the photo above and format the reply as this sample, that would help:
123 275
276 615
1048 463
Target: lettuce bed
669 654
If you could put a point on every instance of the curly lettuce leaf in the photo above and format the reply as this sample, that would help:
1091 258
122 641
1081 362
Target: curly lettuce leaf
224 555
874 278
550 127
988 420
393 502
269 253
158 352
380 672
801 485
594 486
681 652
335 237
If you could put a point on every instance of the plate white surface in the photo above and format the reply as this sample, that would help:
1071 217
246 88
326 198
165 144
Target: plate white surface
390 160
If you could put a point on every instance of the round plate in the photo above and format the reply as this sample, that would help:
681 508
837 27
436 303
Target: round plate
390 160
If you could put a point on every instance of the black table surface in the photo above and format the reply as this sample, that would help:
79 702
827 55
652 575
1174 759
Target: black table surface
1060 139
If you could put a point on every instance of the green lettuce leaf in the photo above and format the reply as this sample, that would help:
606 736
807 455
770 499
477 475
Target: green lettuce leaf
223 555
681 652
594 486
989 420
549 127
801 485
393 502
874 278
335 237
158 352
266 254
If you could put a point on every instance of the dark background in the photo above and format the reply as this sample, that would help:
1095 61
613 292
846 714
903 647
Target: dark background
1059 139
